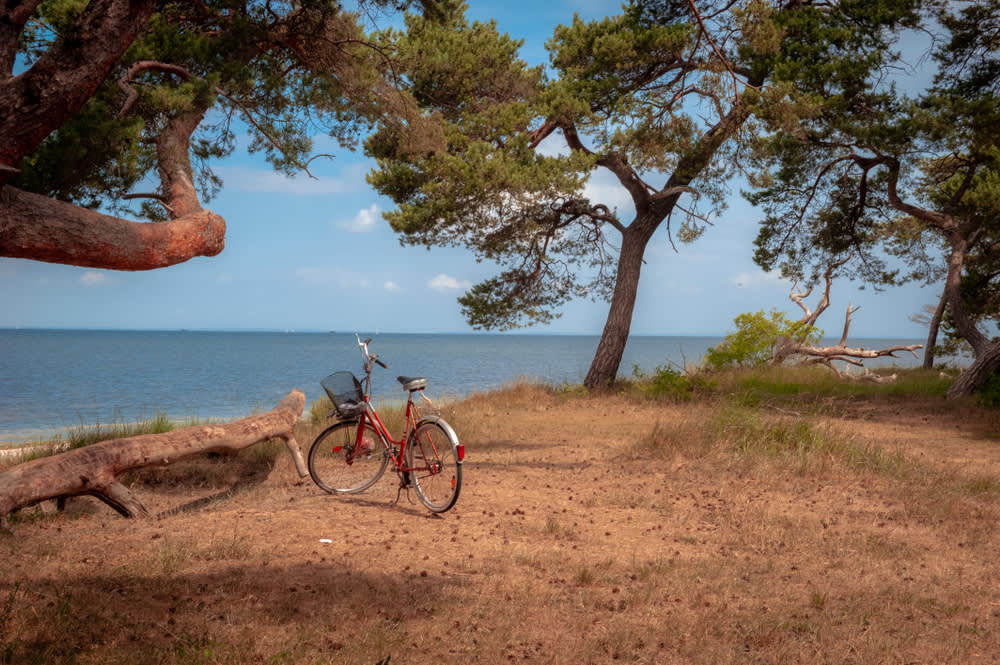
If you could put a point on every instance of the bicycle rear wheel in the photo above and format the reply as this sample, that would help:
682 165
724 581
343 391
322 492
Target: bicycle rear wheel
338 468
432 456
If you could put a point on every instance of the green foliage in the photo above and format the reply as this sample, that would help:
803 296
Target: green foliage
617 93
474 179
290 71
320 410
756 336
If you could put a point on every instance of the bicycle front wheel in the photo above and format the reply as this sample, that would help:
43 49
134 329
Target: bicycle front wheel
434 463
339 464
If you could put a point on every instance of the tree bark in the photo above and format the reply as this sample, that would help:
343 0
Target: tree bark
651 210
608 357
93 470
43 229
14 14
40 100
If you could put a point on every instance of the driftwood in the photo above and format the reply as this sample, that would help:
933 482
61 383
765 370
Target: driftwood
826 355
94 469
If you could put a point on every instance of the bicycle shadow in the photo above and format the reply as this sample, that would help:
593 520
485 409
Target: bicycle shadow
407 505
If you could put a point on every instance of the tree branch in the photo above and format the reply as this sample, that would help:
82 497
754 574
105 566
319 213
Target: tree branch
715 49
539 134
125 82
786 347
43 229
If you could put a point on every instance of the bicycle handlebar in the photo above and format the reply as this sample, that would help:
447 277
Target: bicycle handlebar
367 357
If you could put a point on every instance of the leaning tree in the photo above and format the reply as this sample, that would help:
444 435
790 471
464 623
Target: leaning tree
876 174
662 97
100 98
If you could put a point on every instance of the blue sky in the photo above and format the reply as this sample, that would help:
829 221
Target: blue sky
315 254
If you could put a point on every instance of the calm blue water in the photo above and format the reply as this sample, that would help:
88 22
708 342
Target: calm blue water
52 380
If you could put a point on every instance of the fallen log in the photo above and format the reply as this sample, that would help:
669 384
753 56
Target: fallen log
94 469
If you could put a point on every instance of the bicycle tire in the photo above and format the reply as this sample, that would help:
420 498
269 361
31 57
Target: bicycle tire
332 465
432 455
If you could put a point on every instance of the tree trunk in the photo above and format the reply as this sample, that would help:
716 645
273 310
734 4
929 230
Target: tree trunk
932 332
93 470
987 352
986 363
608 357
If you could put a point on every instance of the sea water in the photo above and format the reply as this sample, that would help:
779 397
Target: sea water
52 380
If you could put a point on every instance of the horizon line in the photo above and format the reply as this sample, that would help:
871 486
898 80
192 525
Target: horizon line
314 331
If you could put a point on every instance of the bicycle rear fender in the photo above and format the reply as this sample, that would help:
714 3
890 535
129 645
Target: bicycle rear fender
443 424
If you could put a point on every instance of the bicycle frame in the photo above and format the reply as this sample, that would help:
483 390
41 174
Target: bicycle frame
370 414
411 419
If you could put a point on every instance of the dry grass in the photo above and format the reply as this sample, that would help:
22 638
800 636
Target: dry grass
591 529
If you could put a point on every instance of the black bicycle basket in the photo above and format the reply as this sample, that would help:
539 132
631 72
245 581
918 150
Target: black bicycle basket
345 392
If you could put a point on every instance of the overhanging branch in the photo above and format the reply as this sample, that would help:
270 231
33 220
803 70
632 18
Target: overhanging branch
43 229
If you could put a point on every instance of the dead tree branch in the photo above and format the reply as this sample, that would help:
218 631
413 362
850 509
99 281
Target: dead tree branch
827 355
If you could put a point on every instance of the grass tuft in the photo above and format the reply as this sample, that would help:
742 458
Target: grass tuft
86 435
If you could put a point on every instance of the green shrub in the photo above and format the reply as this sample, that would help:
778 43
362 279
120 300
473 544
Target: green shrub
756 336
669 382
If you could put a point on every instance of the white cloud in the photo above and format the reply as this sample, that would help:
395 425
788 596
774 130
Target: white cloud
244 179
392 287
94 278
364 221
553 145
448 283
605 188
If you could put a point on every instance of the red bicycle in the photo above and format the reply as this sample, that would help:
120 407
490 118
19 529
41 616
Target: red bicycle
351 455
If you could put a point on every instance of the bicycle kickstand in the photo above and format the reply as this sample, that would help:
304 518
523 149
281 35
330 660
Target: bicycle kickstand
404 484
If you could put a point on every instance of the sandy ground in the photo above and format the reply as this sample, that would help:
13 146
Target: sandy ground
571 543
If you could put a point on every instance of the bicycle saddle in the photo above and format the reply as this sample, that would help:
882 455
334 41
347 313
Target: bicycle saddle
411 384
